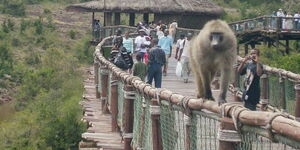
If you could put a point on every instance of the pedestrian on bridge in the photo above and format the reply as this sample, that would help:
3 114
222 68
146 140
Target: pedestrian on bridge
184 57
157 59
139 68
253 70
166 43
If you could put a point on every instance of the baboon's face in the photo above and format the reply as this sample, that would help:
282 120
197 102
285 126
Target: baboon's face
216 38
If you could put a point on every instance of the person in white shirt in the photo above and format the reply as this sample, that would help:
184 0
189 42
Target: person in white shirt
179 45
172 29
281 14
289 21
297 20
160 33
140 43
184 58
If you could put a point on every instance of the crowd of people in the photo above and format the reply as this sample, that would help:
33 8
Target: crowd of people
289 20
152 54
152 49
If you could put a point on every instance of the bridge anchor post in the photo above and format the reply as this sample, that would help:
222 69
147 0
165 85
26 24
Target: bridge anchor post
228 136
156 132
129 95
297 110
114 103
96 77
104 86
264 92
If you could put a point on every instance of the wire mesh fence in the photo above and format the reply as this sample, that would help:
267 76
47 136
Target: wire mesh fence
253 141
205 127
290 96
142 123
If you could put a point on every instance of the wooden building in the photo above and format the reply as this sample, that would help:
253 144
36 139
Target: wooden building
188 13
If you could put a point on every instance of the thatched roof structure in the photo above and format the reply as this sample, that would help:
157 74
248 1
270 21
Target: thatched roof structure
195 7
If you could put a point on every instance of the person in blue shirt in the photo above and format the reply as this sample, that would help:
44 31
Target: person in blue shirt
157 59
165 43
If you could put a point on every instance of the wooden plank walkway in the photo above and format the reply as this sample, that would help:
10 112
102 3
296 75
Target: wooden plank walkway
98 134
175 84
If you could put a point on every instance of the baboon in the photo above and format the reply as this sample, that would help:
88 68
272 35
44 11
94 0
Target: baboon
212 50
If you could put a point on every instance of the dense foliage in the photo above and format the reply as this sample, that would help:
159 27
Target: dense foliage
45 68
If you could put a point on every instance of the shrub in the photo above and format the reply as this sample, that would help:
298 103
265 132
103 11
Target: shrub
72 34
47 11
15 42
24 25
38 24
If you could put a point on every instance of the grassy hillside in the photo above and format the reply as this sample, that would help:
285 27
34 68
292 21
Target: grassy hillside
42 61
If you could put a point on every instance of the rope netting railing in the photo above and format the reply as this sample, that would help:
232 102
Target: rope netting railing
150 118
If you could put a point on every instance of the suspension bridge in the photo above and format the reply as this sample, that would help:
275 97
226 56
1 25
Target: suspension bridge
123 112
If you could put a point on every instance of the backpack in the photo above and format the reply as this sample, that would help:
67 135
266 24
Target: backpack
120 62
123 59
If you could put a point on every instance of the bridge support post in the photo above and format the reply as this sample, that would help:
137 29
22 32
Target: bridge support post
297 110
228 136
188 127
146 17
107 18
117 19
156 132
287 46
114 103
282 93
96 74
264 92
129 95
104 86
131 19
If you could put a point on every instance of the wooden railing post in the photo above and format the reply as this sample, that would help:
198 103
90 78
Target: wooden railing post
297 110
129 97
282 92
228 136
104 84
114 103
264 92
156 132
96 76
